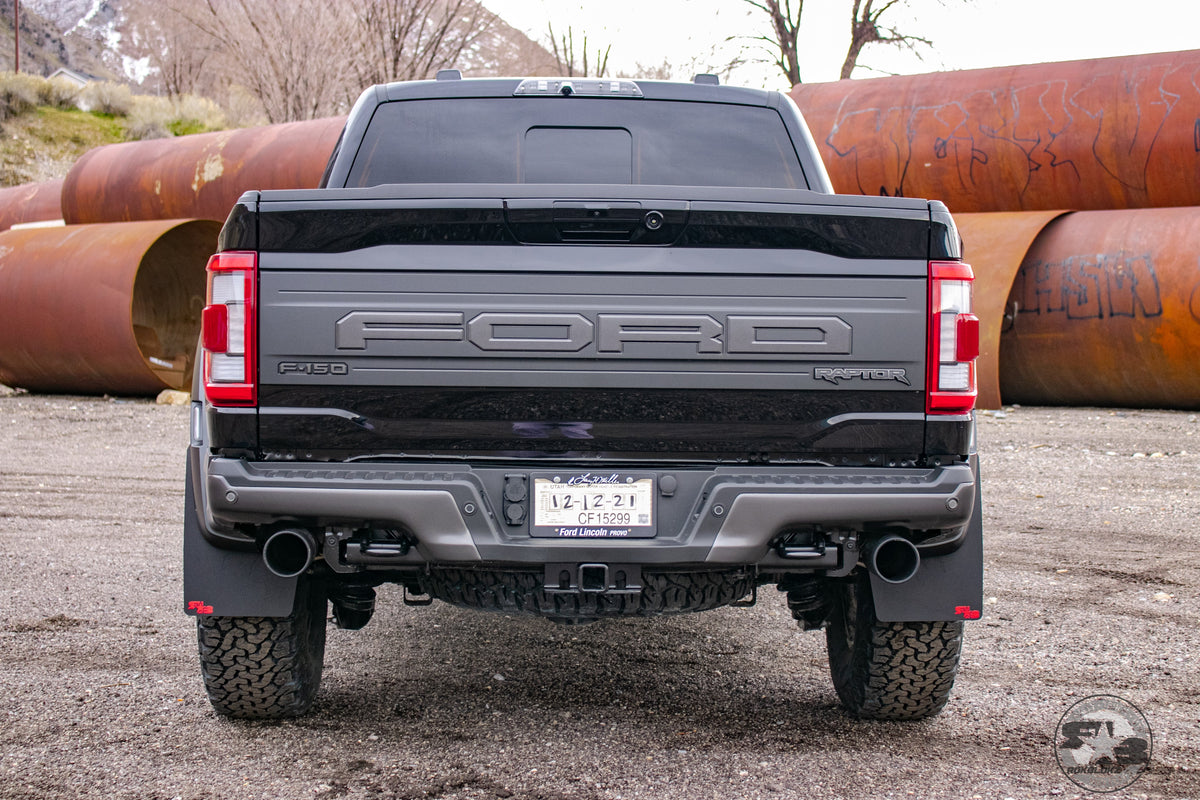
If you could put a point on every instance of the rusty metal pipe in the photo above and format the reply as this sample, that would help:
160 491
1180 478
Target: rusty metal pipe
1105 310
198 176
103 308
1098 134
30 202
995 246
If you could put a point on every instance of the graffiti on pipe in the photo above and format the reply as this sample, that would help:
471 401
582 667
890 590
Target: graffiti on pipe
1115 118
1095 287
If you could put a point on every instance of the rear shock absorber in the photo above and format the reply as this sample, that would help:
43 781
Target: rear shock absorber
807 600
353 604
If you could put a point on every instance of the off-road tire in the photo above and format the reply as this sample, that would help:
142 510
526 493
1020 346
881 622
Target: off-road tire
888 670
520 591
265 667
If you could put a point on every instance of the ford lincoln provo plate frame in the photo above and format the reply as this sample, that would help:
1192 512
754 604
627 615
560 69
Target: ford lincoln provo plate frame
594 505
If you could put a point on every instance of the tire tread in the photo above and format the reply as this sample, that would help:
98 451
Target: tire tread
264 667
894 670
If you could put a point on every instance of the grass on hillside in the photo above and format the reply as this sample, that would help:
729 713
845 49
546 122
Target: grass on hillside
43 130
42 144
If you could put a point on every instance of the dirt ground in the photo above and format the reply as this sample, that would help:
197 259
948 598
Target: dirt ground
1092 587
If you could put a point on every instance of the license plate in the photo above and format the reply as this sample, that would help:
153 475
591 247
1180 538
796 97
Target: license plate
590 505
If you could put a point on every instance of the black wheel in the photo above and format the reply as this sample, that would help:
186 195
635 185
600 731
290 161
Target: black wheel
888 670
265 667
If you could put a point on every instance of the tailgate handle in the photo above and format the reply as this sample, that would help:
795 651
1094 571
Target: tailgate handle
596 221
571 211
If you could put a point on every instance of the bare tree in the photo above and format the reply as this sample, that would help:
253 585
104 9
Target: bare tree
401 40
783 44
504 50
178 56
865 30
288 55
302 59
564 57
661 72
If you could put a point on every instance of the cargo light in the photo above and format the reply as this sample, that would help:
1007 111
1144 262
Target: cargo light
228 335
951 386
563 87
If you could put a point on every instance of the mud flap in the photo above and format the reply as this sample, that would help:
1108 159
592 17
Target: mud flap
226 583
947 587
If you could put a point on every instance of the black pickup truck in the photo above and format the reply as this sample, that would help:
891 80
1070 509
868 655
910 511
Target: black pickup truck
583 349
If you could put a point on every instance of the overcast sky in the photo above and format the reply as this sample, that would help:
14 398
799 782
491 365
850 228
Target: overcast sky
966 33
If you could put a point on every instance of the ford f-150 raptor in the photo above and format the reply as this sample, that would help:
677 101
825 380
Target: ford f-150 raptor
583 349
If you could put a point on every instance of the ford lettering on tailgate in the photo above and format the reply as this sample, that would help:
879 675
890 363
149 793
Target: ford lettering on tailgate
603 334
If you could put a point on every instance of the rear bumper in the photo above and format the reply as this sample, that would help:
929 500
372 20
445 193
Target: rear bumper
719 516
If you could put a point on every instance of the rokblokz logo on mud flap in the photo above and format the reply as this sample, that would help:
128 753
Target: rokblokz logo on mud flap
1103 743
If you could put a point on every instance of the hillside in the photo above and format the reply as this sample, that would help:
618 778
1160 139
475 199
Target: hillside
45 126
42 144
50 41
108 40
116 40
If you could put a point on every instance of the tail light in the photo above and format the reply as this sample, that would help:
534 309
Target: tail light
228 335
951 386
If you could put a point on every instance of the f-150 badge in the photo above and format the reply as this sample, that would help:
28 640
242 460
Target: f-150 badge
836 374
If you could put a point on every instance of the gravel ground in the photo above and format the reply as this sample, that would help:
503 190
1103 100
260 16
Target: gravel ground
1092 586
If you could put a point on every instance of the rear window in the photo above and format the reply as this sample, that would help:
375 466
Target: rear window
576 140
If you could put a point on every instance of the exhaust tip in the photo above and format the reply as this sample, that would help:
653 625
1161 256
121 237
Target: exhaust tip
289 553
893 559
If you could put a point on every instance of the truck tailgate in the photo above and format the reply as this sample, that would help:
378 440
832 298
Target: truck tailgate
735 343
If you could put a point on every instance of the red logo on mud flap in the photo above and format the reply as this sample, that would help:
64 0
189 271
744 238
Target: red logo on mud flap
966 612
199 607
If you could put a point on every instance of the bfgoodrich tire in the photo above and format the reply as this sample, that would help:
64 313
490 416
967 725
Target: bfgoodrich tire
265 667
888 670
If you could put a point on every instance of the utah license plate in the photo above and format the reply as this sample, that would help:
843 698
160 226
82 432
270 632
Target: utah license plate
589 505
